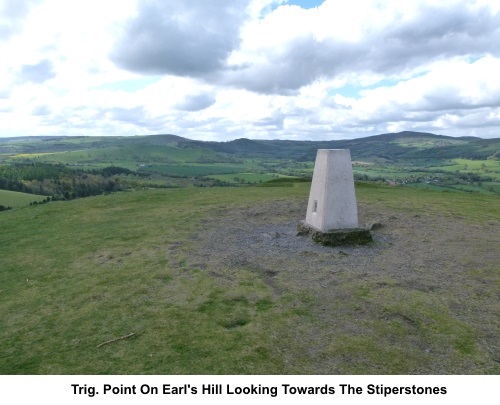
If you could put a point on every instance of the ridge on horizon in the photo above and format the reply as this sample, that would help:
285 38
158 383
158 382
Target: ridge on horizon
388 136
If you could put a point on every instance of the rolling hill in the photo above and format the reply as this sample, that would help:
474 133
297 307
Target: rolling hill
390 146
412 158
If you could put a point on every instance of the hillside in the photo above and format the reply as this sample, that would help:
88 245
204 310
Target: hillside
17 199
413 159
389 146
215 281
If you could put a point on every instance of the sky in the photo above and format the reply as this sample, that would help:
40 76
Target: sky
259 69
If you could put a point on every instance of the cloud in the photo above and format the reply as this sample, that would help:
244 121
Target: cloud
196 102
41 110
182 38
12 14
4 93
435 33
6 109
405 62
232 43
306 45
135 115
451 85
38 73
273 122
249 68
449 97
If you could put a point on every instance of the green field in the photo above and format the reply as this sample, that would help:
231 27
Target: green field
487 167
179 273
128 156
15 199
247 178
411 159
194 170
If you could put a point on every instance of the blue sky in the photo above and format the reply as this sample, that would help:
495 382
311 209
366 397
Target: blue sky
306 4
262 69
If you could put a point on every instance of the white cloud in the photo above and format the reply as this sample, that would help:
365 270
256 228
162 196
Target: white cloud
196 102
292 47
182 38
38 73
253 68
12 14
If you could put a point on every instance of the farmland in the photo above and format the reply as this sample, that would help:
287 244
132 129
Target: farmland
419 160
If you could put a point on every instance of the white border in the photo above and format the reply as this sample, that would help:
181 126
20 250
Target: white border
60 390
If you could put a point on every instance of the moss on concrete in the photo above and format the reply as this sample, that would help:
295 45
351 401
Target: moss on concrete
336 237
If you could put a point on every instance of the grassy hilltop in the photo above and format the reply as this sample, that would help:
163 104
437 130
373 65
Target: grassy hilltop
214 281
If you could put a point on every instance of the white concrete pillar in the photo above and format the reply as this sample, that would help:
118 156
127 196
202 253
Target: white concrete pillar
332 201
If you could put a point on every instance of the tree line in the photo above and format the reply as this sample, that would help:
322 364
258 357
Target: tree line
61 182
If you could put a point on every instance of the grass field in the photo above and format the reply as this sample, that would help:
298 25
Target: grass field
487 167
16 199
195 169
128 156
76 274
247 177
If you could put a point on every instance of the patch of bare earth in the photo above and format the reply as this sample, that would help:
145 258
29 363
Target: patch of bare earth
418 269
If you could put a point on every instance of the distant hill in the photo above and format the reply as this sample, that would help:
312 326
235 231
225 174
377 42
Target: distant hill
422 159
389 146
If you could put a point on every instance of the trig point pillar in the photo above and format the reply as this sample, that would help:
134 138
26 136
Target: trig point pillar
332 212
332 202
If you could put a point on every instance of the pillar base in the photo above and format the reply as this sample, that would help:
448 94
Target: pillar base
335 237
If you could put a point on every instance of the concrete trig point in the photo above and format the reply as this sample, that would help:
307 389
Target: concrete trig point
332 212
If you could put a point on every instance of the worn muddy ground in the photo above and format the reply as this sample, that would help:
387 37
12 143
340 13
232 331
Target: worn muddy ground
422 298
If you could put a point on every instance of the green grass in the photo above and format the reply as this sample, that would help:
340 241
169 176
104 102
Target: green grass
432 187
389 172
192 170
438 174
487 167
16 199
128 156
479 207
247 177
79 273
